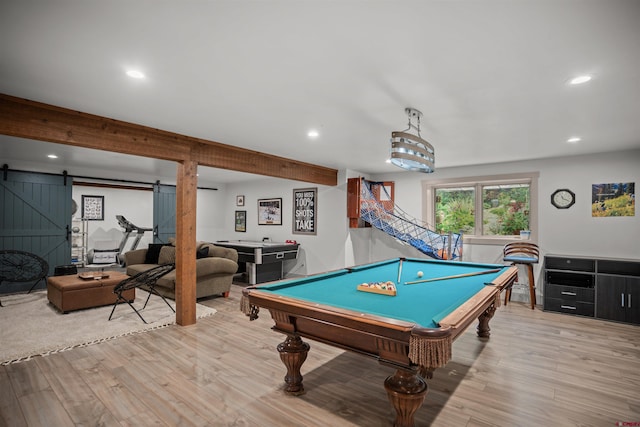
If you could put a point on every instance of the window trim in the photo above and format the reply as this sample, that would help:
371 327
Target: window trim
531 178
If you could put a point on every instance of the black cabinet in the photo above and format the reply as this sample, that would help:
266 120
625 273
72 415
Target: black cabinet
618 298
596 287
569 285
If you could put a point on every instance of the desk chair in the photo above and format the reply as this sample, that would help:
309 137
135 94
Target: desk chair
527 254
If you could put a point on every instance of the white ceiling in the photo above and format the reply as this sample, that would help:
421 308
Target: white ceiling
489 76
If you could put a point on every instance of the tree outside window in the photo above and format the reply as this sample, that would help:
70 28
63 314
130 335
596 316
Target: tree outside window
483 208
455 210
505 209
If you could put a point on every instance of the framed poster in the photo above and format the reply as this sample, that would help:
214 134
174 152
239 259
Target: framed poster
241 221
270 211
613 199
239 200
93 208
304 210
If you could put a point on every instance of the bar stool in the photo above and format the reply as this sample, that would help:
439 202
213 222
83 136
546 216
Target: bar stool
527 254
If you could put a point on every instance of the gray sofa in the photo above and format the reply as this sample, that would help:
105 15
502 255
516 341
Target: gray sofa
214 270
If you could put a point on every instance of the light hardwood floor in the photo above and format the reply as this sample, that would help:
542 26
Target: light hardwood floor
537 369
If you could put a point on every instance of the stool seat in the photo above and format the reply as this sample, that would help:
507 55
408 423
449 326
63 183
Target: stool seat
521 259
527 254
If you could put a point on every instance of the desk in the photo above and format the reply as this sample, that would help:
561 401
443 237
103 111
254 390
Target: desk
412 332
263 261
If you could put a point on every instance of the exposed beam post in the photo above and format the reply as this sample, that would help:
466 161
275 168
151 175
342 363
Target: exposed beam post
186 196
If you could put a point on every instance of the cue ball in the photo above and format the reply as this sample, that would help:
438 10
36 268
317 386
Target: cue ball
420 274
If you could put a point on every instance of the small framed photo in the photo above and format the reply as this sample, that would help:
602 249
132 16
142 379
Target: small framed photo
239 200
270 211
93 208
241 221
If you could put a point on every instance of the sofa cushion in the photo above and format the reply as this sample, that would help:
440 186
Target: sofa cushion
215 266
221 252
167 255
202 252
153 252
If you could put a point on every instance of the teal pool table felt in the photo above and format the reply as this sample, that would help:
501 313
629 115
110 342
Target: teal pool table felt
425 304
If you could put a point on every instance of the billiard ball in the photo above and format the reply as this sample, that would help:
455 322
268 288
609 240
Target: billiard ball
420 274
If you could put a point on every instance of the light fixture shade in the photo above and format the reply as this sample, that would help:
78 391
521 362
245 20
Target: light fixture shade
412 153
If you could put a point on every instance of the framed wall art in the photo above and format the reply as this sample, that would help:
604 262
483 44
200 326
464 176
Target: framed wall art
239 200
241 221
93 208
270 211
613 199
304 211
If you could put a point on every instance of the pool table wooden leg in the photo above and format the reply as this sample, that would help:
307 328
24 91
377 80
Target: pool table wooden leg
293 352
406 392
484 331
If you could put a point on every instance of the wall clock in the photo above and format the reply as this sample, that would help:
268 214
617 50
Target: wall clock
563 198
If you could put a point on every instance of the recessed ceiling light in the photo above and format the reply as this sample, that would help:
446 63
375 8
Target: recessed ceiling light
135 74
580 79
313 133
52 156
574 139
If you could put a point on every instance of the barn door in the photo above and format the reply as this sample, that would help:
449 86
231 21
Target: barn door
164 212
35 216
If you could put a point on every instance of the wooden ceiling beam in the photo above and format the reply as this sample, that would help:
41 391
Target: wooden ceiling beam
34 120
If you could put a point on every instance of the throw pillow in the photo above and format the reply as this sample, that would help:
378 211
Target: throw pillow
167 255
153 252
203 252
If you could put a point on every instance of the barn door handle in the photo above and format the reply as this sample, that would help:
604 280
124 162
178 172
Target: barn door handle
68 232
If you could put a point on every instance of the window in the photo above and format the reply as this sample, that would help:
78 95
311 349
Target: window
505 209
485 209
455 210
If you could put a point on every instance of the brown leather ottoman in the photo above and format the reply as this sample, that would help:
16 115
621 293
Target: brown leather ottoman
74 293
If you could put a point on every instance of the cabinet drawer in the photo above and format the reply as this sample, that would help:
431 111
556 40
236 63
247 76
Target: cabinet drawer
577 307
622 268
570 293
565 278
566 263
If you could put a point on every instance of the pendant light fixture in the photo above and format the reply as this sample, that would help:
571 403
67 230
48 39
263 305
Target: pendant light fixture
409 151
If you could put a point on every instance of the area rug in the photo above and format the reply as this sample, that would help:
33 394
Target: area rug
30 326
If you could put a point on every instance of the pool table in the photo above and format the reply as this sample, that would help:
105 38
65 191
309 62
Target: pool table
411 331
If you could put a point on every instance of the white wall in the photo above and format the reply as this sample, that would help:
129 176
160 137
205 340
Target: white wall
321 252
568 232
137 207
571 231
211 214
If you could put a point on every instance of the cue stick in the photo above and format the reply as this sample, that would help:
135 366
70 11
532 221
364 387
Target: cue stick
455 276
400 270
